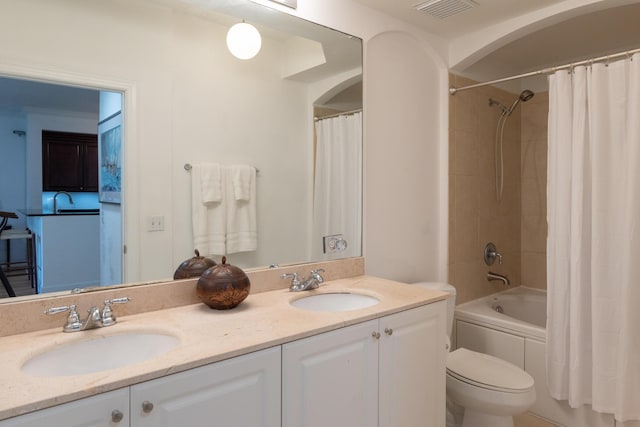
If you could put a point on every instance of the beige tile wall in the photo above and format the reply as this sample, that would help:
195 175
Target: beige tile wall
534 190
517 223
475 215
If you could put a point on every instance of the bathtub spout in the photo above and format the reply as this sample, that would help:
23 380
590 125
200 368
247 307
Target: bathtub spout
495 276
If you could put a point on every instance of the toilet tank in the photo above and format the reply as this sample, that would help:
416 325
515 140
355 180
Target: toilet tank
451 300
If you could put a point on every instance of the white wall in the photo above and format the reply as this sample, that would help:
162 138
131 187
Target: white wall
111 247
13 151
110 104
405 221
170 65
271 134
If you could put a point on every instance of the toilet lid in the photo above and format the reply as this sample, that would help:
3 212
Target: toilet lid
487 371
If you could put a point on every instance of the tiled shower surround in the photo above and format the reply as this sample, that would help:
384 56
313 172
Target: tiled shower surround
517 223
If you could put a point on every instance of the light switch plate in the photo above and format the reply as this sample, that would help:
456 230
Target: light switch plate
156 223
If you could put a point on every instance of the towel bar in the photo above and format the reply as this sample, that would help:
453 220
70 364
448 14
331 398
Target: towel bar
188 167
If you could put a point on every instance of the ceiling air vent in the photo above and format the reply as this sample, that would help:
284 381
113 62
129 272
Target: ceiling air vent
445 8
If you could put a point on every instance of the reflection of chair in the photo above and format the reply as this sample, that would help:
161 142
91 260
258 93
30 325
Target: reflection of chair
28 265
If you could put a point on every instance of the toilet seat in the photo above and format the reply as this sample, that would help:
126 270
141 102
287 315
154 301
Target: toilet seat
488 372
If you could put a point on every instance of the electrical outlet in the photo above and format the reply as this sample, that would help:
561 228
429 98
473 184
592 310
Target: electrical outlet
156 223
333 243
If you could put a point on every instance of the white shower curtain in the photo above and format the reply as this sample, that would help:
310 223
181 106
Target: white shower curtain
593 246
337 201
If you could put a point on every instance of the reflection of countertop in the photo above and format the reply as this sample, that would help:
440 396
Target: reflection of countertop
41 212
263 320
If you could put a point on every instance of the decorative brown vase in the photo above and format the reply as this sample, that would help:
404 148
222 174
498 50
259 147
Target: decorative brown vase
193 267
224 286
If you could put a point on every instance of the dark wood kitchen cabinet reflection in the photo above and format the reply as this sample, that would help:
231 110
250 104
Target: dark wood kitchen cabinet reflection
69 161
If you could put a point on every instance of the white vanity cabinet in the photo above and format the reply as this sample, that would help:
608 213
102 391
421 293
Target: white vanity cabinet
331 379
413 367
239 392
102 410
385 372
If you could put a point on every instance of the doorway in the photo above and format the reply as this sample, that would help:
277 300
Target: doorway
27 107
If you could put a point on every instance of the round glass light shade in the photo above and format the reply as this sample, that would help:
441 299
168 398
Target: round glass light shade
244 41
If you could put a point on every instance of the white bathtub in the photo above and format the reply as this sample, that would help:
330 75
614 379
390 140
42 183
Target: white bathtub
511 325
521 310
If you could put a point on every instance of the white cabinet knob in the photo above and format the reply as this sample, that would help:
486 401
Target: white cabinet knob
116 416
147 406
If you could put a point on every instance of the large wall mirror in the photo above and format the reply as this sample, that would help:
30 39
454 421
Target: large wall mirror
188 101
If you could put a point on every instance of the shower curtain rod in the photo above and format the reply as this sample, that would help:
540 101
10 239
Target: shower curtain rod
344 113
628 53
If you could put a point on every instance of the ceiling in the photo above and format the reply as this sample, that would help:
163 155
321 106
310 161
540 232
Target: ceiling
610 27
343 52
20 96
487 12
603 28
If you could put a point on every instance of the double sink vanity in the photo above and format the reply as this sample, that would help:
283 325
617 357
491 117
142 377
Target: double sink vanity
358 350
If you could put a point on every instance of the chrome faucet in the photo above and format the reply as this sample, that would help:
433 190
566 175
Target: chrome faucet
55 201
491 253
311 282
95 318
495 276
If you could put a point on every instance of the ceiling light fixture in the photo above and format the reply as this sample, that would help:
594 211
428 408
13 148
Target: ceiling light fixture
244 41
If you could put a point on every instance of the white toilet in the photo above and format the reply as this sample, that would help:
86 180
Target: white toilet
490 390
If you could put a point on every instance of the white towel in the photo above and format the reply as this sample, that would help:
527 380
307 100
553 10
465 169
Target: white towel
242 233
243 179
208 220
210 181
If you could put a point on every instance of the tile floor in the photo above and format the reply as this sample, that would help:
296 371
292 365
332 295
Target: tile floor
530 420
20 285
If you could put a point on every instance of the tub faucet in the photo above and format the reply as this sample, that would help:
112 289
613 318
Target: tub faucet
311 282
495 276
55 200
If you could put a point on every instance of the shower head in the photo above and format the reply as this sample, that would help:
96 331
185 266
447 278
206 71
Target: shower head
524 96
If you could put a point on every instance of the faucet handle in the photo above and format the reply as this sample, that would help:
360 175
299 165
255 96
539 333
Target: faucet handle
491 253
73 320
108 318
295 282
293 276
316 274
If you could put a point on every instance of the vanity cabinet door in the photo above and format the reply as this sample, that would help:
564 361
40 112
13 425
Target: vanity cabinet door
412 367
386 372
102 410
239 392
331 379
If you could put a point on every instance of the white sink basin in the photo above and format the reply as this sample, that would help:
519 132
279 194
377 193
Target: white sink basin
99 354
335 302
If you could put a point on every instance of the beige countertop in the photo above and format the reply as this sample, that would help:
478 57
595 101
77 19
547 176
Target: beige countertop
263 320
